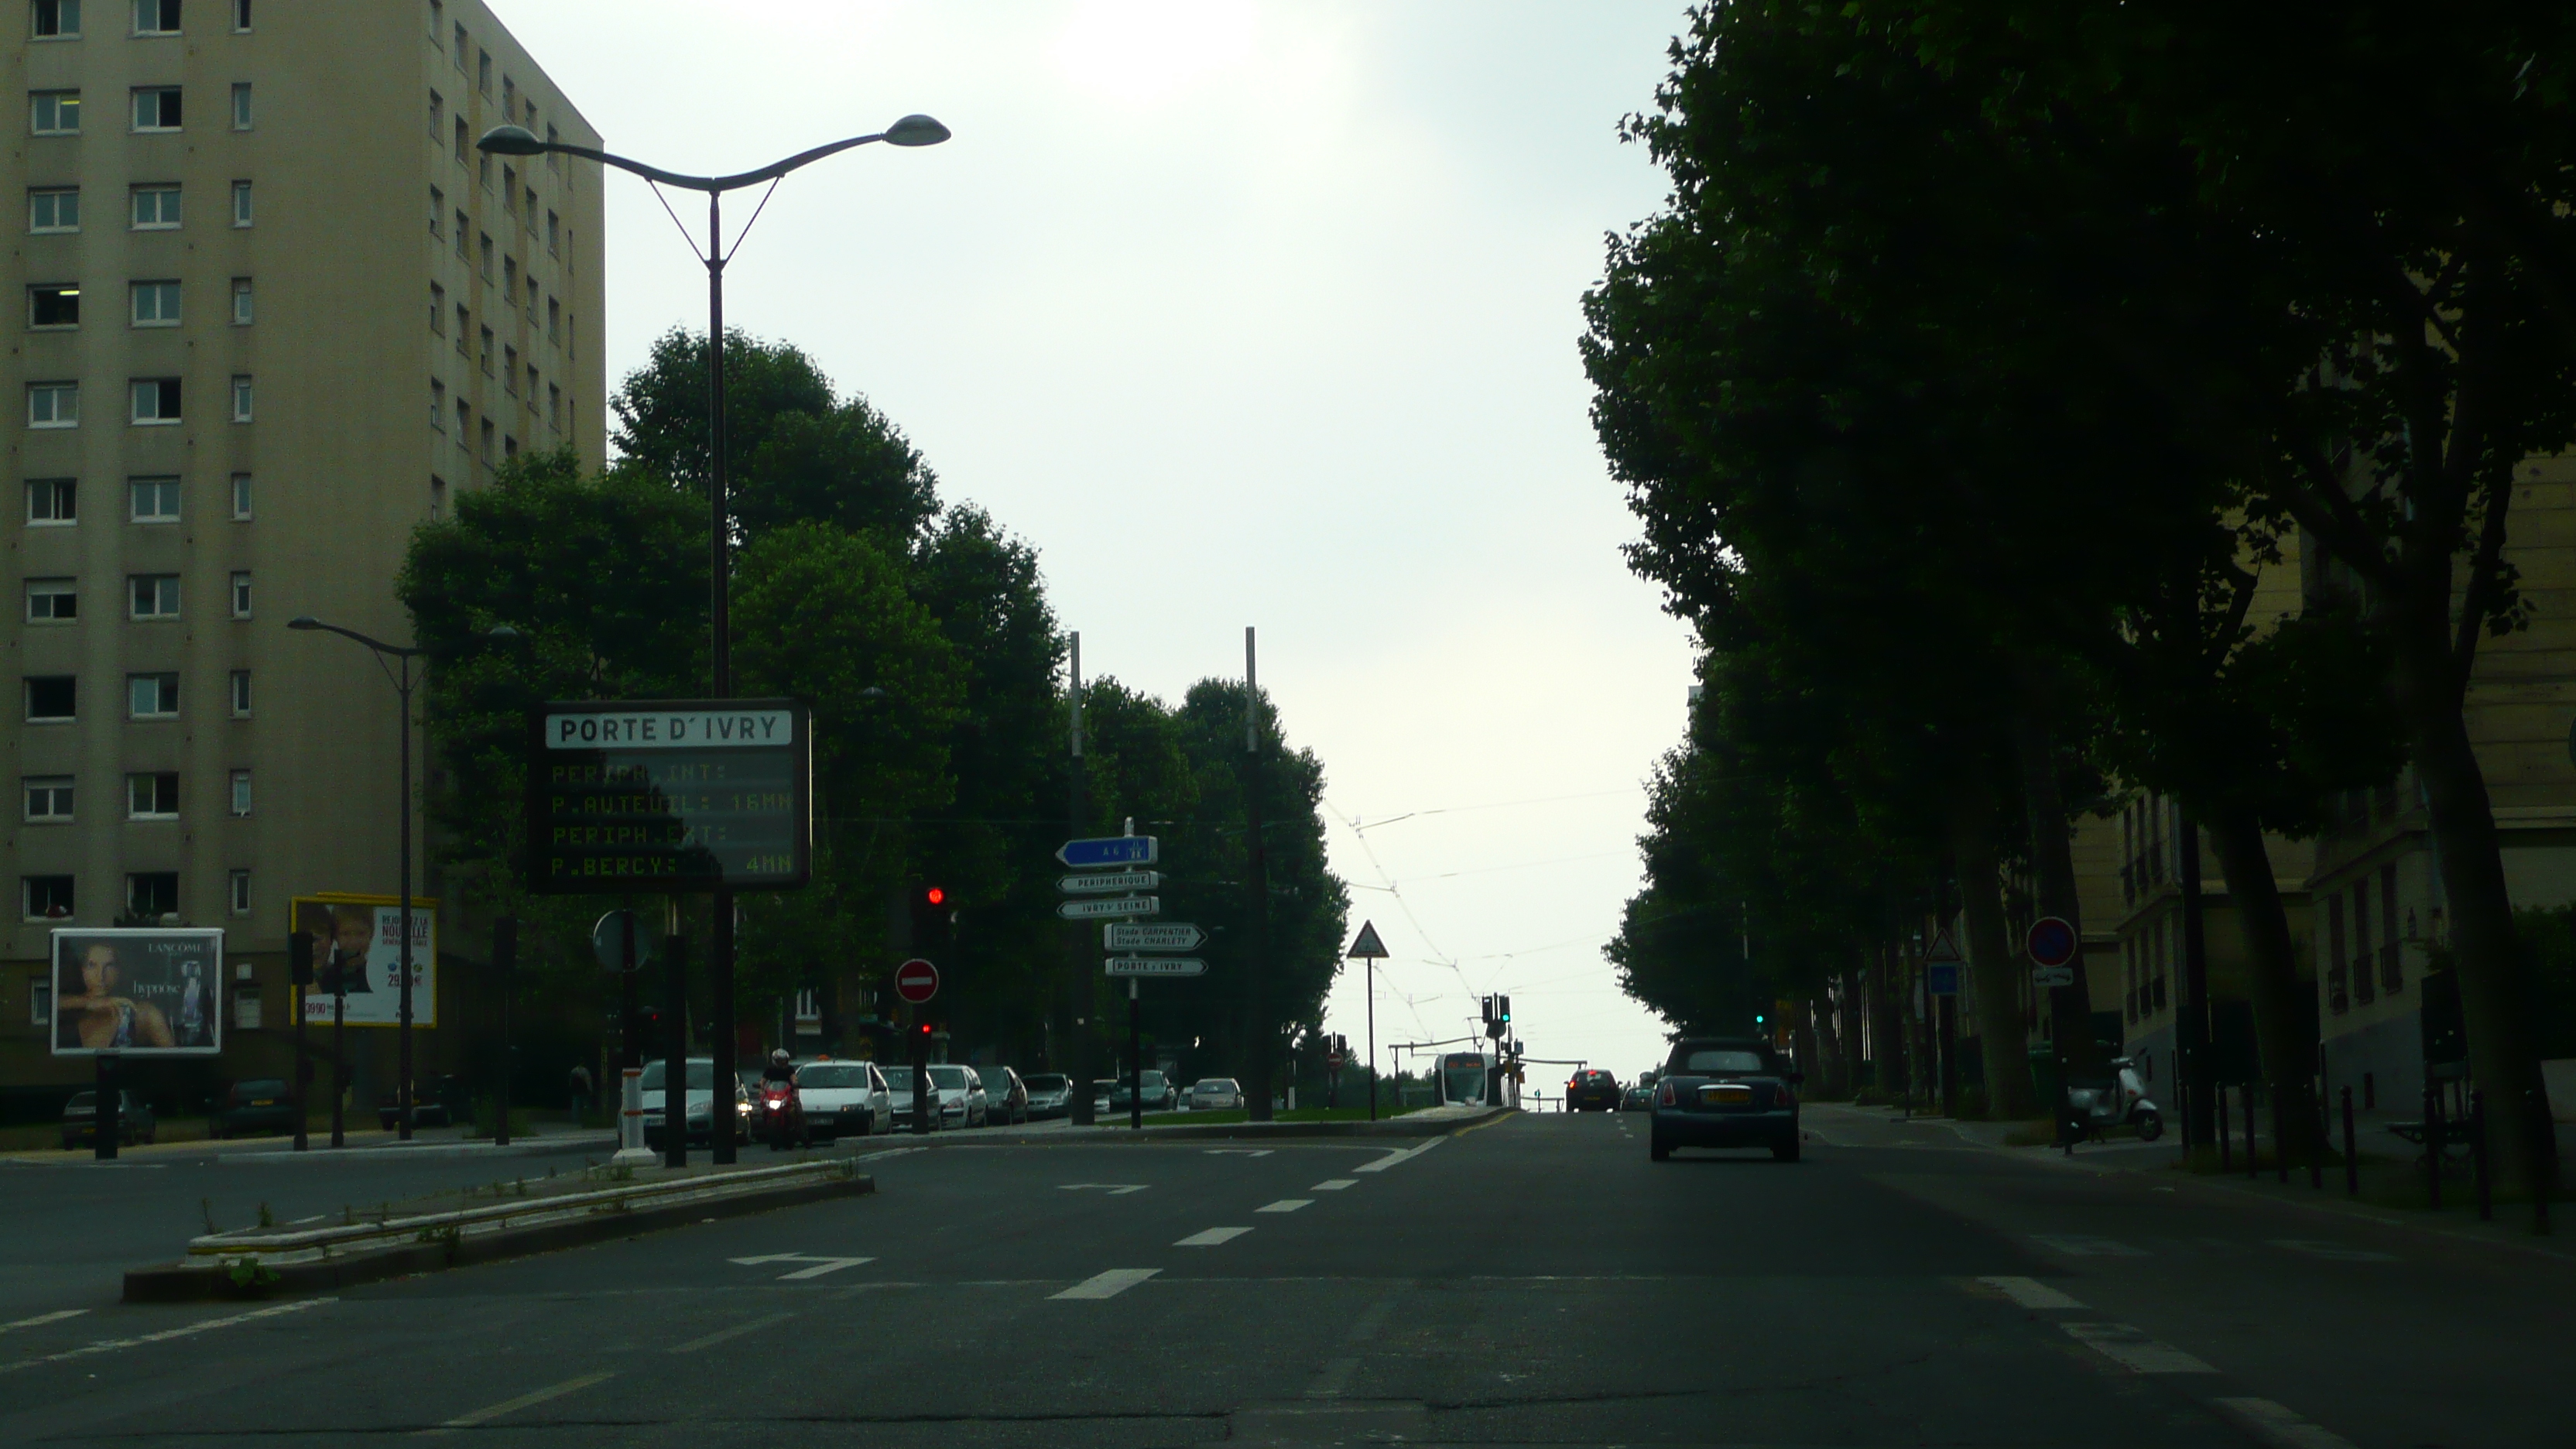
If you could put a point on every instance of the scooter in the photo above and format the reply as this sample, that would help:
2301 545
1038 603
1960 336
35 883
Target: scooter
780 1116
2122 1101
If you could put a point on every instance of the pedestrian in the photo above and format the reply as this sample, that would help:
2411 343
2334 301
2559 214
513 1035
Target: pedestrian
580 1093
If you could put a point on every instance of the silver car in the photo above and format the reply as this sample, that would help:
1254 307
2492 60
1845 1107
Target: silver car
961 1094
844 1099
700 1101
1216 1094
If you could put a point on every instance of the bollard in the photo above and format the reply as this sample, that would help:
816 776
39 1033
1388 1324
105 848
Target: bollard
2478 1148
2224 1163
630 1120
2351 1159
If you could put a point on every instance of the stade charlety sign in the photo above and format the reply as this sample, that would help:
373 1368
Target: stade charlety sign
670 795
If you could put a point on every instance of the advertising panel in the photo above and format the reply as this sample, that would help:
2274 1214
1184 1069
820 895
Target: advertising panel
357 950
138 993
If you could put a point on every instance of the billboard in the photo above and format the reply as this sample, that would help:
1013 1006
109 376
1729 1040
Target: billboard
670 795
138 992
357 950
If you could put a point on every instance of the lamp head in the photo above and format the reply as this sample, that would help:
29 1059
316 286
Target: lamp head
304 621
511 141
915 130
502 632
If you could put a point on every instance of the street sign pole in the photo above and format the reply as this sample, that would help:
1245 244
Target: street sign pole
1370 950
675 1057
1079 994
1135 1058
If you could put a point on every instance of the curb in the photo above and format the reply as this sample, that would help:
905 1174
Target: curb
1406 1126
199 1282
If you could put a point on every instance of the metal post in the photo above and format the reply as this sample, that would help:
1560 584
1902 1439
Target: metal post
2351 1158
1135 1059
2478 1148
1370 964
923 1100
1263 1028
675 1059
1079 993
720 621
339 1055
2433 1143
2191 1023
303 1056
505 958
107 1111
403 1089
630 1041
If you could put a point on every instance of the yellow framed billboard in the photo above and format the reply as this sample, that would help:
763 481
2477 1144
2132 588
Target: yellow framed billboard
357 956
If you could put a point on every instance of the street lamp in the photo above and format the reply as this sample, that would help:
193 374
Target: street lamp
915 130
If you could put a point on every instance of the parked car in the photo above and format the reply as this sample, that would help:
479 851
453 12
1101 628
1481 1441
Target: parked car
134 1122
1006 1096
1592 1091
442 1101
1639 1098
961 1097
1160 1095
1216 1094
699 1101
844 1099
1108 1094
1050 1094
898 1078
1725 1092
260 1104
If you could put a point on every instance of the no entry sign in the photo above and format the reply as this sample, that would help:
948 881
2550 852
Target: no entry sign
916 981
2052 944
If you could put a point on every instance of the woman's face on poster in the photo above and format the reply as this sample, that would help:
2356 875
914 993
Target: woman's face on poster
98 970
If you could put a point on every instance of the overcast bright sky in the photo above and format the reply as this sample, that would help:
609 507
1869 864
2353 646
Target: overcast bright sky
1242 314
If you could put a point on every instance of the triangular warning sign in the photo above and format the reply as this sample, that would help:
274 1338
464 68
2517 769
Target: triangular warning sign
1942 952
1368 944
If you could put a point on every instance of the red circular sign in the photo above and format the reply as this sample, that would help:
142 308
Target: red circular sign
2051 942
916 981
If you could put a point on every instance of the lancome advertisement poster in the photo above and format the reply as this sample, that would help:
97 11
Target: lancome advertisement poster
357 957
138 992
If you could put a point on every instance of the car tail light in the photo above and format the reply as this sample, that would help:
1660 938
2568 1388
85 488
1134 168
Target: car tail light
1781 1098
1664 1096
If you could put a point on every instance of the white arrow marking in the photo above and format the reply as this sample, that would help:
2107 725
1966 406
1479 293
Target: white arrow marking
1114 1189
821 1265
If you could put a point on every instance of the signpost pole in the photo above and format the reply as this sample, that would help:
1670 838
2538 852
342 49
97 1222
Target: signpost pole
403 1089
923 1093
1079 993
1135 1058
299 956
675 1058
630 1046
107 1116
505 958
339 1054
721 1124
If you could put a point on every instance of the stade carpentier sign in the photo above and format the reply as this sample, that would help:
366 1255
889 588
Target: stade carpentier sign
670 795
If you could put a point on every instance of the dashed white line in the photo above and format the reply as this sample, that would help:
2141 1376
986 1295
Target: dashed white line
1399 1158
512 1406
111 1345
2030 1293
1334 1184
2276 1423
1286 1205
57 1316
752 1325
1211 1237
2131 1349
1109 1284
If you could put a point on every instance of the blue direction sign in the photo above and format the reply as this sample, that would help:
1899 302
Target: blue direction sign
1110 850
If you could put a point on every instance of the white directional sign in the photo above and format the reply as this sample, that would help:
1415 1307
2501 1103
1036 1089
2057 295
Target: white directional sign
1107 881
1111 908
1156 966
1150 936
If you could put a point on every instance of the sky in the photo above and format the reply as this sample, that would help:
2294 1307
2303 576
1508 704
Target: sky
1242 314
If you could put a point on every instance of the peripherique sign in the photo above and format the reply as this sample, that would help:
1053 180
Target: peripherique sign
669 795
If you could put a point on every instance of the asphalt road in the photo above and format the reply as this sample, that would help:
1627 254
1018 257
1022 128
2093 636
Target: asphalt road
1532 1281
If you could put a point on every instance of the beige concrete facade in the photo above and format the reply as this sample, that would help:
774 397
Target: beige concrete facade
367 316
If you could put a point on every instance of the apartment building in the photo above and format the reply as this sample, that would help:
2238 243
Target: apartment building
276 311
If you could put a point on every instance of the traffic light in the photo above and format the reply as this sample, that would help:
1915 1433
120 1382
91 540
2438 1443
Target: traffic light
934 918
1503 1010
1486 1006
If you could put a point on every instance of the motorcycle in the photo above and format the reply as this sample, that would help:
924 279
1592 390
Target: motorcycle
2121 1101
779 1117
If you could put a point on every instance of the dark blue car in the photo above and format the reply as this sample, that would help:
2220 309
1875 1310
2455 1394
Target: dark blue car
1725 1092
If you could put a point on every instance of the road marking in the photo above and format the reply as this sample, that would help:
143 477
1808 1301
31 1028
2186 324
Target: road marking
1334 1184
2131 1349
2278 1424
2079 1245
1109 1284
512 1406
2335 1251
1237 1151
57 1316
1396 1158
2030 1293
888 1152
1114 1189
1211 1237
111 1345
1334 1376
1286 1205
721 1334
821 1265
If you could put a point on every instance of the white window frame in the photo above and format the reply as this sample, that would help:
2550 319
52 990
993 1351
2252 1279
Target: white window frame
150 97
36 21
240 594
242 114
163 15
237 693
245 304
37 195
27 910
148 797
160 388
64 107
241 17
437 406
27 699
53 590
242 210
241 498
237 882
243 397
152 680
160 596
53 405
237 793
60 794
164 488
59 289
166 206
153 303
54 492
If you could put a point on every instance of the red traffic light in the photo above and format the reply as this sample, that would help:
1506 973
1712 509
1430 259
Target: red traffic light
934 895
925 1028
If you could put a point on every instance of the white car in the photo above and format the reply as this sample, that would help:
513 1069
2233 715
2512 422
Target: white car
961 1094
844 1099
1216 1094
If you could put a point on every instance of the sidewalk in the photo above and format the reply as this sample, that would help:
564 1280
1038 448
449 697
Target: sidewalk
372 1142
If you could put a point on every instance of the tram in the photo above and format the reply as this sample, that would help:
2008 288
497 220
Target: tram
1458 1080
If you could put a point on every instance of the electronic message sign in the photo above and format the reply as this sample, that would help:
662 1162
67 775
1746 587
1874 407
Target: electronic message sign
670 795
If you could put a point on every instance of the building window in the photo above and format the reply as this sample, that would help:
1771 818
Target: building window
532 384
437 310
156 17
460 141
464 327
241 792
241 497
437 116
52 601
510 370
487 352
241 105
152 795
241 203
241 398
53 304
156 108
554 320
509 187
154 596
49 799
155 304
152 894
554 407
437 212
510 278
487 441
463 227
241 17
152 500
487 255
242 311
528 211
483 73
241 593
152 696
153 401
58 19
554 159
239 880
464 422
53 502
509 447
53 209
437 496
483 170
437 405
459 50
241 693
54 113
53 405
554 235
46 898
52 698
156 206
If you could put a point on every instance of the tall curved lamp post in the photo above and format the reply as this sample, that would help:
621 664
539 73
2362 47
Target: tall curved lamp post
913 130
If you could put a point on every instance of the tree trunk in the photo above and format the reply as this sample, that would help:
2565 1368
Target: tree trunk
1886 1029
1855 992
2010 1094
2052 859
2272 975
1832 1057
1802 1025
